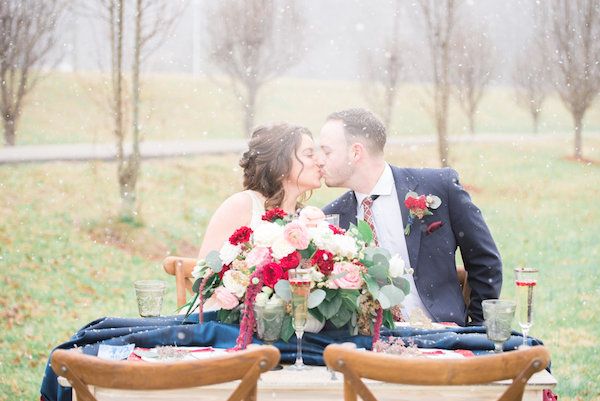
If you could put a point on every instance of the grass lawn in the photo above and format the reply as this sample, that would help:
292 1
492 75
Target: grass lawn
65 261
69 108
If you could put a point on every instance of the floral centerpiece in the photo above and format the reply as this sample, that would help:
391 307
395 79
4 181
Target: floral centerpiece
353 282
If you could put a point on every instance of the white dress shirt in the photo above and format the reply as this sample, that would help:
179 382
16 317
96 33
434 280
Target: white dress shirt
387 218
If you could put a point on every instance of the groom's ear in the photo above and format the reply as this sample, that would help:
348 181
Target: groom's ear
357 151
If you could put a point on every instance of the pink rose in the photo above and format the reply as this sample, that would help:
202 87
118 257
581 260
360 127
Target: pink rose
258 257
222 298
310 216
350 281
297 235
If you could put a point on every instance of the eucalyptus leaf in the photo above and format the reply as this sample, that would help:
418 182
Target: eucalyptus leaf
315 298
372 285
318 315
330 308
402 283
365 232
393 294
341 318
384 300
214 261
287 328
411 194
380 267
283 290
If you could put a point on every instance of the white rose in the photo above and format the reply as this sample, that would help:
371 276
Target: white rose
321 234
229 252
396 266
281 248
261 299
265 234
345 246
275 301
316 276
236 282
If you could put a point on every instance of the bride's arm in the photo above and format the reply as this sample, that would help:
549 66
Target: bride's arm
234 212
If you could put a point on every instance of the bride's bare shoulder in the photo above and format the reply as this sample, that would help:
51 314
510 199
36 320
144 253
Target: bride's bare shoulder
239 202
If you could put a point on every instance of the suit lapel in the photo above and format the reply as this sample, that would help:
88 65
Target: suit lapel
348 212
406 182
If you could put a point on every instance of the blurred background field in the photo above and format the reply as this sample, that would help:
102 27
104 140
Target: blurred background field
66 108
67 261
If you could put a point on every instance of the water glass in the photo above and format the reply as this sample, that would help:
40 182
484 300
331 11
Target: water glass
333 219
149 295
269 320
498 315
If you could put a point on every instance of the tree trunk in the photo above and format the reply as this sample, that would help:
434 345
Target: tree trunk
10 128
249 110
443 142
578 120
472 123
129 174
536 121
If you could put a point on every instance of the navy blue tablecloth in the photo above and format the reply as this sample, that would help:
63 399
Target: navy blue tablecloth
173 330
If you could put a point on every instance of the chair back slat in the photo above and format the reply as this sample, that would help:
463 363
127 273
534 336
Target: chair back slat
518 365
181 268
83 370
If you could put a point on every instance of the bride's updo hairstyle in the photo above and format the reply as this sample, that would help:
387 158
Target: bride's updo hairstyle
268 160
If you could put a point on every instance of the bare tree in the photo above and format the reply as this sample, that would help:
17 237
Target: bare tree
474 64
27 36
531 80
252 42
575 41
381 69
440 18
152 20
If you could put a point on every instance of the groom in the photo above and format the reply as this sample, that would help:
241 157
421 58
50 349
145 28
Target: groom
352 144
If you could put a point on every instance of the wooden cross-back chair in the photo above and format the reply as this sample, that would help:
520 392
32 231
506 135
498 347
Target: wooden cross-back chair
181 268
518 365
82 370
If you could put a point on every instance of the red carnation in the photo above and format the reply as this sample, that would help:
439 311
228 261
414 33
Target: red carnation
416 203
291 261
274 214
337 230
324 260
240 235
272 273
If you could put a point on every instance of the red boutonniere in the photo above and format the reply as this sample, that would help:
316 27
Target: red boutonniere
419 206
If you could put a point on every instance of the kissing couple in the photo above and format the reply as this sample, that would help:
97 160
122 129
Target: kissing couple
282 165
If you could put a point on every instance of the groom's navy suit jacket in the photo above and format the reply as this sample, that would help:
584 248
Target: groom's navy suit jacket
432 255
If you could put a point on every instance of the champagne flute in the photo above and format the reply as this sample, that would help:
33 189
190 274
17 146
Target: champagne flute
526 280
300 284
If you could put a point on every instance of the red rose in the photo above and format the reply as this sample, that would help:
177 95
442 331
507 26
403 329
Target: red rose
272 273
274 214
240 235
422 202
291 261
223 270
337 230
324 261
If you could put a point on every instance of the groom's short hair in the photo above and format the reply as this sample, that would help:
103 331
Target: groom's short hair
363 124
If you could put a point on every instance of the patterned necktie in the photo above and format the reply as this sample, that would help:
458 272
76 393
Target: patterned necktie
366 204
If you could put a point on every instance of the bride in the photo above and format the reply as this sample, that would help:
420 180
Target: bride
280 168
